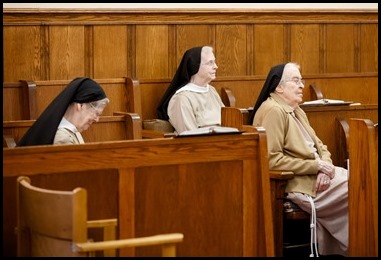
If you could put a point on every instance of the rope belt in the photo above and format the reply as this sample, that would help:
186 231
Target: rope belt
313 228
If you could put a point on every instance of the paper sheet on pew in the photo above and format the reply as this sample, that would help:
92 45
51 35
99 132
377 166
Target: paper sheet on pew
325 102
211 130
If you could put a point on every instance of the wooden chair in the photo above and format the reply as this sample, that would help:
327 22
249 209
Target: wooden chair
54 223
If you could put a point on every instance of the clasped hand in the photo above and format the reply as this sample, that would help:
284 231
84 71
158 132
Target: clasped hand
322 182
327 168
325 174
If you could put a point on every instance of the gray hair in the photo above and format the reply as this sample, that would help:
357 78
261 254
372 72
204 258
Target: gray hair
287 69
100 103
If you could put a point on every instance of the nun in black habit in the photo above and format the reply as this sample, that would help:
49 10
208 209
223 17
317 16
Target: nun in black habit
190 102
80 90
272 81
318 187
189 65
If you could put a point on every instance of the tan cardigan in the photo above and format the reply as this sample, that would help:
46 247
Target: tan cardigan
288 150
65 136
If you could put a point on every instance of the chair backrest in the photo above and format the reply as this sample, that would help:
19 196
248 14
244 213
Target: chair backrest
49 222
54 223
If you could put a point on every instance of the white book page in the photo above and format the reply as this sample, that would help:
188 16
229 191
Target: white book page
323 101
210 130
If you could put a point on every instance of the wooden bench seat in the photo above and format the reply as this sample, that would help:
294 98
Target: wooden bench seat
224 212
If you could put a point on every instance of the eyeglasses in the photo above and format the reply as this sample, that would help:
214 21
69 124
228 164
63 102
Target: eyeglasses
97 113
210 63
297 81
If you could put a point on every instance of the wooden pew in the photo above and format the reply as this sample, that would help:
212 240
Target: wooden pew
323 121
342 142
214 192
109 128
246 89
363 188
235 117
16 104
35 96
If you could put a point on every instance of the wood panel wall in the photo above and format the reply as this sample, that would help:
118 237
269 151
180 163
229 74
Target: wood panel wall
337 50
148 44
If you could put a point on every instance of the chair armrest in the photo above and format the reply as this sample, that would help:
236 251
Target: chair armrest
281 175
100 223
109 231
167 241
278 181
9 141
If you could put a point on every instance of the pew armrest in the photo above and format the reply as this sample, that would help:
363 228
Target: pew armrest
228 97
8 141
133 124
315 92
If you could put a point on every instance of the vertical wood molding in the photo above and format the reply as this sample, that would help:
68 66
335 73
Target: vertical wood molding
287 42
357 49
44 53
250 67
131 50
172 47
89 51
323 49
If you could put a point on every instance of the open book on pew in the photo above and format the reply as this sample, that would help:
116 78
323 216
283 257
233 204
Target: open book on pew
326 102
211 130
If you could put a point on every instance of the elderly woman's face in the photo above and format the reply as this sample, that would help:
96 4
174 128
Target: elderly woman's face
291 88
89 115
208 66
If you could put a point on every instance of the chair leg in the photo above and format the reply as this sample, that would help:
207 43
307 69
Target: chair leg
168 250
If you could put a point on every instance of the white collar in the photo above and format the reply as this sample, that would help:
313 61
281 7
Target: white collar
66 124
194 88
